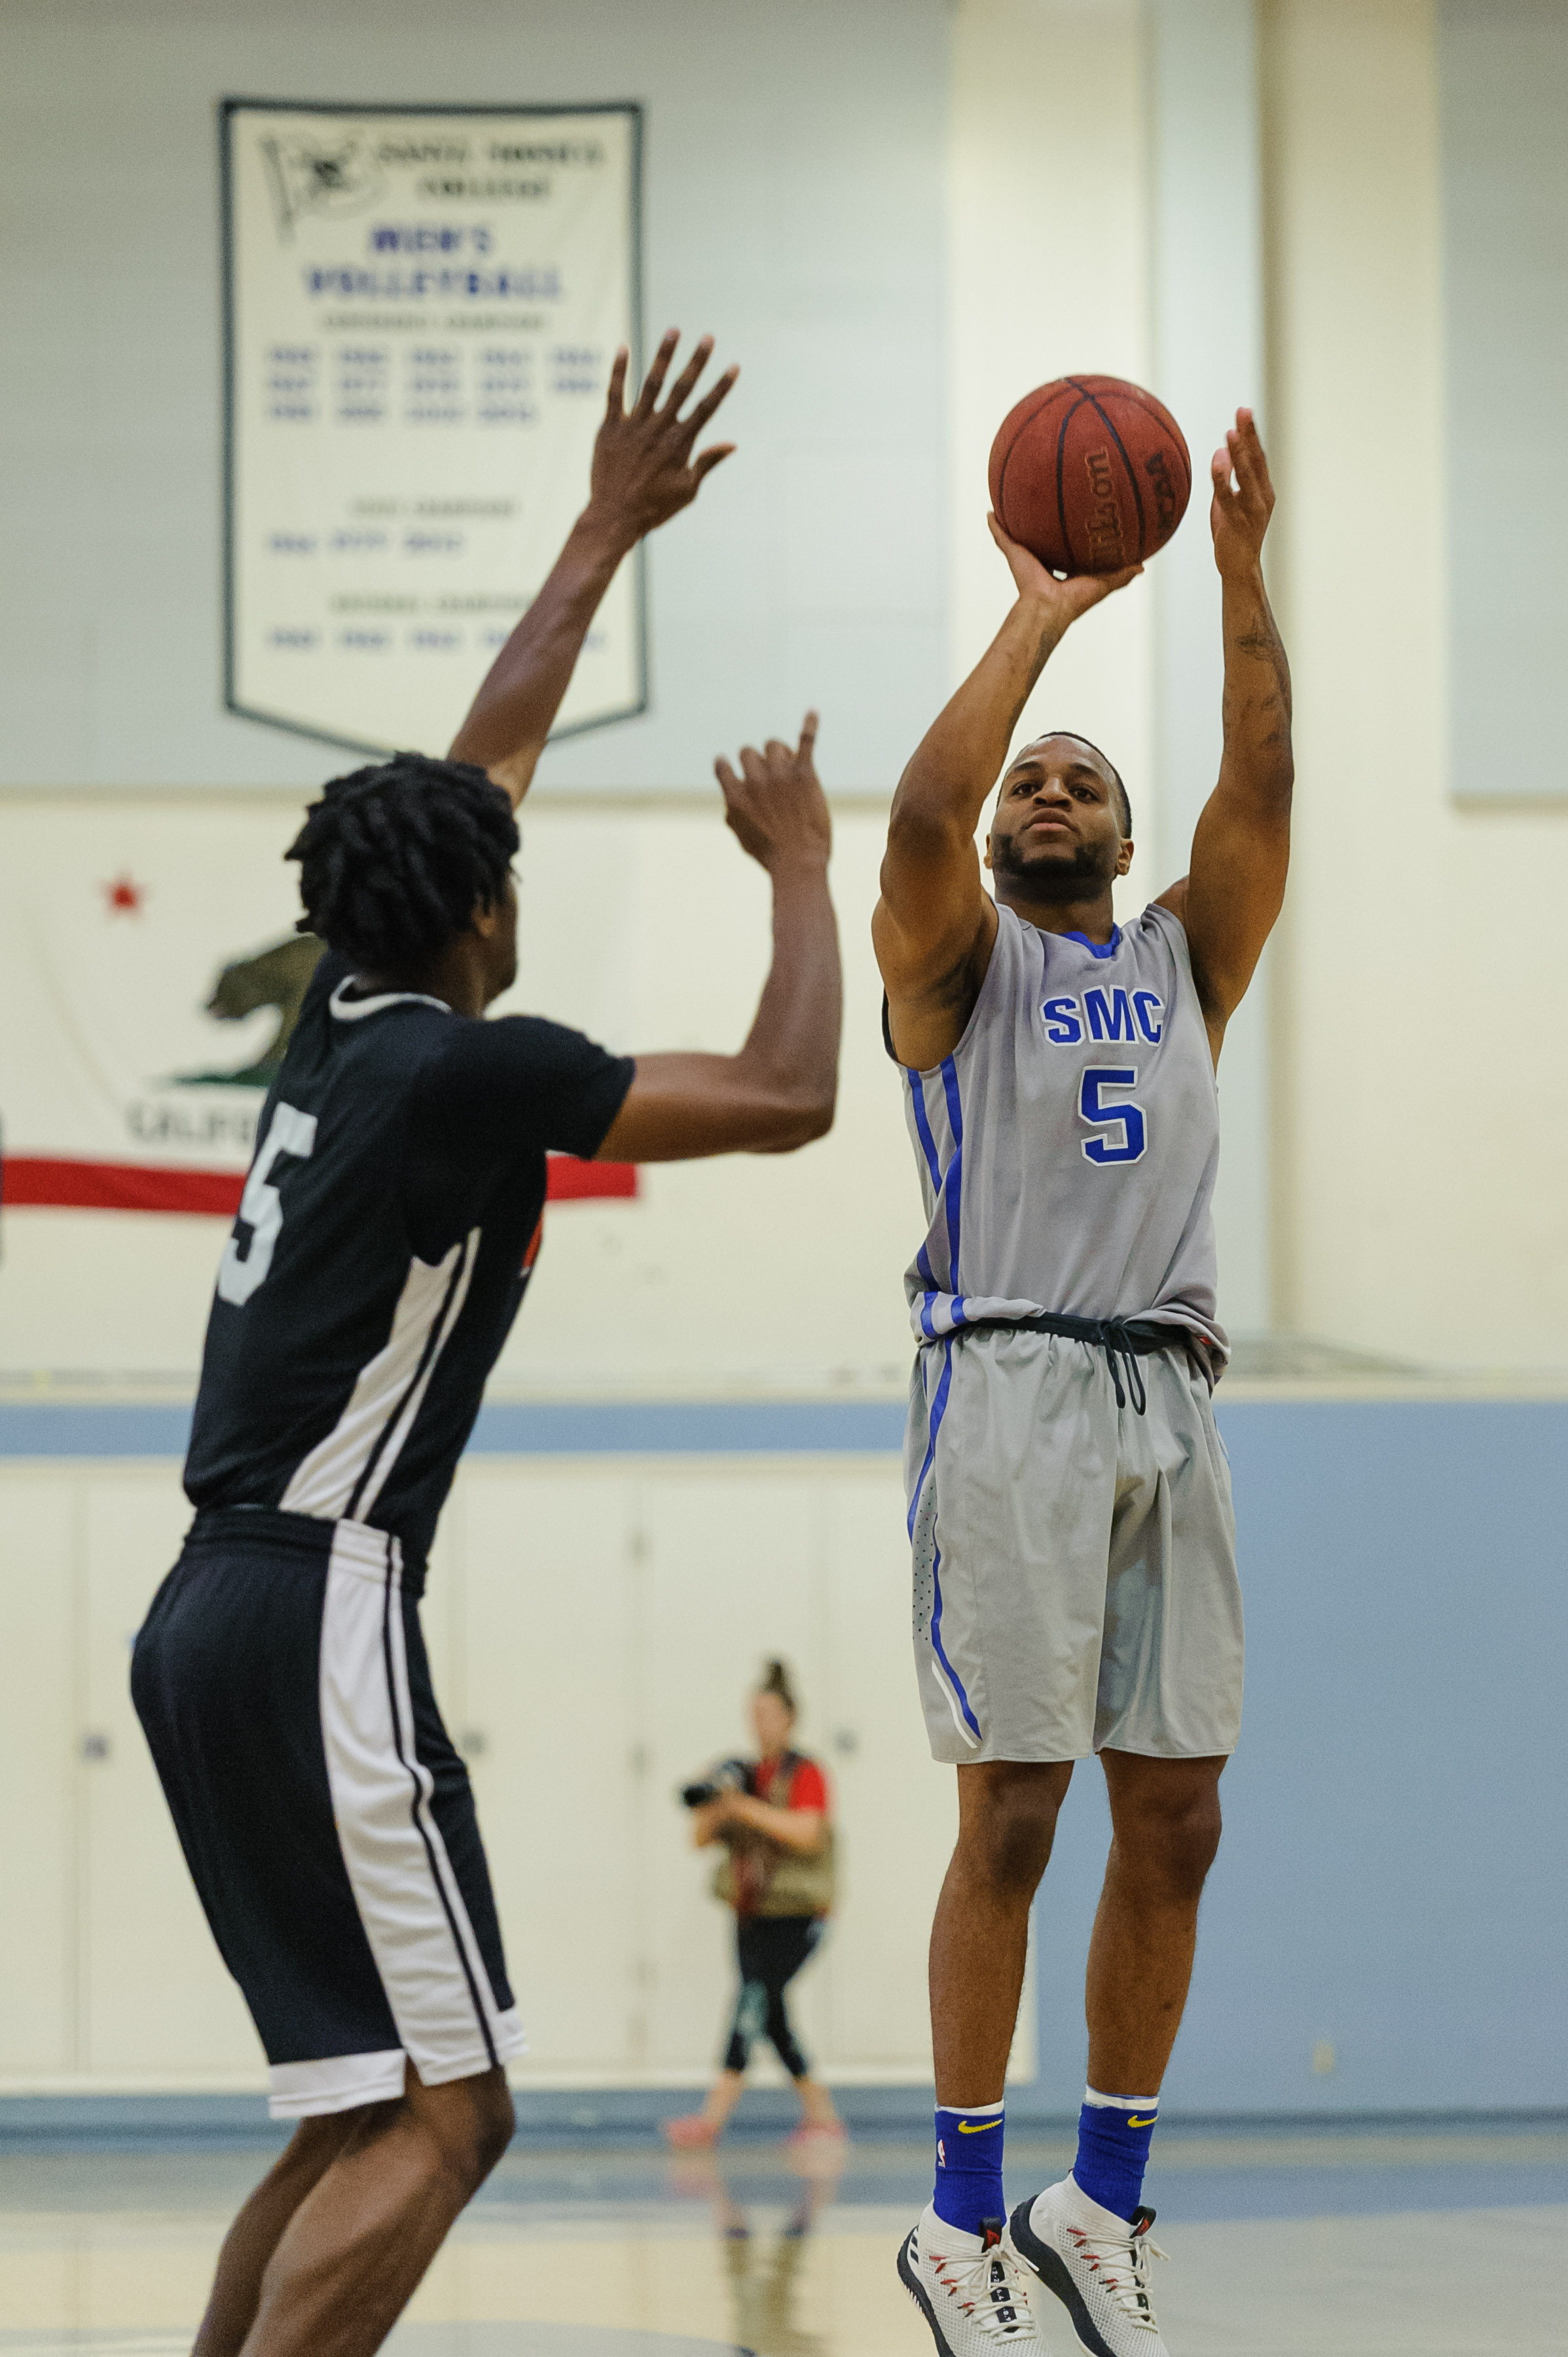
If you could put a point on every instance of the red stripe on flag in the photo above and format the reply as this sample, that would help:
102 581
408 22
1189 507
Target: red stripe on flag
60 1185
118 1186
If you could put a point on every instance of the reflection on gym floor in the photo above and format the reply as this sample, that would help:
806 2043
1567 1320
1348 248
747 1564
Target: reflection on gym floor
1311 2243
763 2256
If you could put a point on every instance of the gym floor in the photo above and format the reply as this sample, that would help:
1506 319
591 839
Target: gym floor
1306 2243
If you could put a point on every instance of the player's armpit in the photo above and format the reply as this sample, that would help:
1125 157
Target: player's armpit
933 978
684 1107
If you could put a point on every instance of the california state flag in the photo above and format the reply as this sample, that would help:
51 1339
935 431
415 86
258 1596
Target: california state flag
150 975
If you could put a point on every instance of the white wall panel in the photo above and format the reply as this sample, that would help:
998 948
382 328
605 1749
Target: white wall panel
37 1774
897 1810
548 1723
728 1575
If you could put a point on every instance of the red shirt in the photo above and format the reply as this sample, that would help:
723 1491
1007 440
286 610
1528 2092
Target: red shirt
789 1781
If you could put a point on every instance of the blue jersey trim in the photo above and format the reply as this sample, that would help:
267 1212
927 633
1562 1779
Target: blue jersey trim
923 1127
931 1447
1098 949
954 1679
948 1670
952 1181
939 1409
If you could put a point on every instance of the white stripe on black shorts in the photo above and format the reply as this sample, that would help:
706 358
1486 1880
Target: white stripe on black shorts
282 1682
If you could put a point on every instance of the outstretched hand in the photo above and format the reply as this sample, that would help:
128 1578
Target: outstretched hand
643 471
1238 514
1064 600
776 808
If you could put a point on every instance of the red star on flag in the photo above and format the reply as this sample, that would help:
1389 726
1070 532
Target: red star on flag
124 895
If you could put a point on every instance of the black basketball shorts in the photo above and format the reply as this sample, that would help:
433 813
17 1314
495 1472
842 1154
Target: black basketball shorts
282 1682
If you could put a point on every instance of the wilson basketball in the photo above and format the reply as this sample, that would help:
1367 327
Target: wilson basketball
1090 473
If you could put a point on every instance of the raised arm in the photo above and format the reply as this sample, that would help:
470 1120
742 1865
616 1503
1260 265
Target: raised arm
643 473
935 924
778 1091
1240 850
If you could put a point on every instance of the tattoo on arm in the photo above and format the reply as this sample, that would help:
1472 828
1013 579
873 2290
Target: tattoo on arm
1266 642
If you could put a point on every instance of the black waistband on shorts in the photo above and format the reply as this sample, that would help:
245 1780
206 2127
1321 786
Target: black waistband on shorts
270 1527
1124 1341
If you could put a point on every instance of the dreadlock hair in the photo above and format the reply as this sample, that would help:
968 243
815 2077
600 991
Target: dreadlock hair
395 859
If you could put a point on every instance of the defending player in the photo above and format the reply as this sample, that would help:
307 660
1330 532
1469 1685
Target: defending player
1069 1505
387 1229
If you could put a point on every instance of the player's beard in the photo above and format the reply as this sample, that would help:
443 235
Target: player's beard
1077 875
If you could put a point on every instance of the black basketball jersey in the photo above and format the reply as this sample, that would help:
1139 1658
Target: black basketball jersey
387 1230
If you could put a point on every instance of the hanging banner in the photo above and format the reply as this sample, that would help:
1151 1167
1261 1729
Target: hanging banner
422 306
152 977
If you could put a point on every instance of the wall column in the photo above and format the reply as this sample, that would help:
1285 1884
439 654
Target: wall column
1207 335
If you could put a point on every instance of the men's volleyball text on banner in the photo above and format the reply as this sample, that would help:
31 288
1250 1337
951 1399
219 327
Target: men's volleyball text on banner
423 306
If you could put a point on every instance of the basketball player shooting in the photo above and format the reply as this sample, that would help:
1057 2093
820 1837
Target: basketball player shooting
1069 1505
386 1233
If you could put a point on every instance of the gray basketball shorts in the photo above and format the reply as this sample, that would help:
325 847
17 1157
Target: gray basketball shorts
1074 1562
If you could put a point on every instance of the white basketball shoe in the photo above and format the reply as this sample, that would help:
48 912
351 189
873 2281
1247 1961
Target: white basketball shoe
1095 2264
970 2289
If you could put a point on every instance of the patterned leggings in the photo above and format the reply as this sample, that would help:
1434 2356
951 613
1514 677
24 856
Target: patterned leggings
771 1950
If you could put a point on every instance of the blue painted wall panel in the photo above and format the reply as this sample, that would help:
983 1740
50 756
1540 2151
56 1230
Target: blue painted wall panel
1394 1875
506 1429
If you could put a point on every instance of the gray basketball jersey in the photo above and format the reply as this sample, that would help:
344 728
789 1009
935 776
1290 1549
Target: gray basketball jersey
1067 1148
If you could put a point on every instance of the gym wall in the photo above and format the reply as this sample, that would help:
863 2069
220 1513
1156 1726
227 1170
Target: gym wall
1380 1118
892 273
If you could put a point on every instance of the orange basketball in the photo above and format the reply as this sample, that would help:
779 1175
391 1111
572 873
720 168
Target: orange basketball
1090 474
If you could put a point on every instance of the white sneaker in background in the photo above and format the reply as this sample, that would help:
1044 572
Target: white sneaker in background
1095 2264
969 2289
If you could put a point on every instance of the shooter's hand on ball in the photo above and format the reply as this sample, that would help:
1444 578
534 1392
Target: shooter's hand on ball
1238 514
1059 602
642 474
643 470
776 808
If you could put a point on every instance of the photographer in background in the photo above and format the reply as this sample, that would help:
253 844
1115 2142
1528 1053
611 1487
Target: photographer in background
777 1875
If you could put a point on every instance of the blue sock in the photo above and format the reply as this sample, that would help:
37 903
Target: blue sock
968 2166
1113 2137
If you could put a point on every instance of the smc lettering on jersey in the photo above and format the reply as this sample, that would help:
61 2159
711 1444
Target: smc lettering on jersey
1113 1014
1067 1145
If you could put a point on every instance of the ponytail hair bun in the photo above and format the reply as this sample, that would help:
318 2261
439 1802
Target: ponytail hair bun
777 1682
